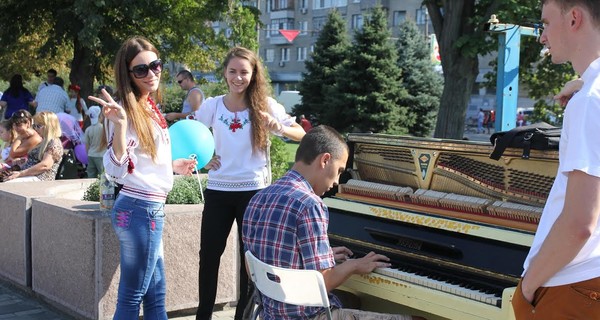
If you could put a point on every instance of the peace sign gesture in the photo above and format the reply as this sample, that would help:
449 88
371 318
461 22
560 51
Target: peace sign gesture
111 109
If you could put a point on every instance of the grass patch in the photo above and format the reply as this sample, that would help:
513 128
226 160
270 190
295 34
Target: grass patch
291 148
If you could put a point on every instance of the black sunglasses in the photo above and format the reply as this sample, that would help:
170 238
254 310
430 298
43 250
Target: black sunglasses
141 70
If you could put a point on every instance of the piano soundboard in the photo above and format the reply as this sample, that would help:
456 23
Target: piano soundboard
456 225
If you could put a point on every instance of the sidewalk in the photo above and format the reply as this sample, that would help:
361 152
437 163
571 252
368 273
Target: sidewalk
15 304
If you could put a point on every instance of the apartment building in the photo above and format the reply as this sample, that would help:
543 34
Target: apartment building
285 59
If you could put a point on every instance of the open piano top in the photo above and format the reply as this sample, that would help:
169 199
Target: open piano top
456 224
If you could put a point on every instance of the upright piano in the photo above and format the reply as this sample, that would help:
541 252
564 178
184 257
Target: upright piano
456 224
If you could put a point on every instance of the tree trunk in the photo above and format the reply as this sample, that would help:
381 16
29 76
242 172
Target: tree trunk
459 77
82 70
460 68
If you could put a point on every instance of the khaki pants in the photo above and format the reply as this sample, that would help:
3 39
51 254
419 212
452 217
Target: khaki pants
575 301
351 314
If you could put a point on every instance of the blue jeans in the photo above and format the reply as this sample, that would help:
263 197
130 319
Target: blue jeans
139 227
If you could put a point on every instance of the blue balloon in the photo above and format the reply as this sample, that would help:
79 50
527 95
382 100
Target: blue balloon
191 138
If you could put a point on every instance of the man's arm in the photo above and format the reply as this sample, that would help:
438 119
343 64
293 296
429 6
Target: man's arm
195 99
569 233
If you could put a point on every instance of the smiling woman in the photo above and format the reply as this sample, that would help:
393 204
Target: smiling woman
138 158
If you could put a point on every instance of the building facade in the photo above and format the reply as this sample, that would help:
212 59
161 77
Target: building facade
285 59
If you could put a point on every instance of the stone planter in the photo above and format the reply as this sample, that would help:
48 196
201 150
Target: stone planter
74 254
15 223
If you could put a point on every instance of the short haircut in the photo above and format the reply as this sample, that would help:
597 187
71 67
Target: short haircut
593 7
321 139
59 82
52 72
186 74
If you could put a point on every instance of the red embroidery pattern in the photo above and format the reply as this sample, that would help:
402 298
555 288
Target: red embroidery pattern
235 123
157 115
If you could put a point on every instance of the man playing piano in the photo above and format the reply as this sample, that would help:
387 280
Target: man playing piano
285 225
562 271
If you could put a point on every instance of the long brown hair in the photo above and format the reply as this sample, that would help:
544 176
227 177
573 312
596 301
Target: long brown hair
129 95
256 94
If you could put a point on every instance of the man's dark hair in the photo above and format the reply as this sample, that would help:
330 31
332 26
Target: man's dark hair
59 82
319 140
186 74
52 72
593 6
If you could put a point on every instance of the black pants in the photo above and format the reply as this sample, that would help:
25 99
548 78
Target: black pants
221 208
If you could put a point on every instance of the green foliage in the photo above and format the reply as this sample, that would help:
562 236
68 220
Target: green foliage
423 84
172 98
279 158
92 193
367 87
331 49
186 190
87 33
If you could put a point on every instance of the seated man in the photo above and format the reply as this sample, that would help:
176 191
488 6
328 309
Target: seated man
285 225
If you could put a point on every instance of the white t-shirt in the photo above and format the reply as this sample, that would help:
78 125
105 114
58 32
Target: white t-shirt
241 169
579 150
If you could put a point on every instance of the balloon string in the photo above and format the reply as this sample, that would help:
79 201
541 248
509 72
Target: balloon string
200 185
194 157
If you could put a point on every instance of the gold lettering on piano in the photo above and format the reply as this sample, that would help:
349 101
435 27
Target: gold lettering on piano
377 280
427 221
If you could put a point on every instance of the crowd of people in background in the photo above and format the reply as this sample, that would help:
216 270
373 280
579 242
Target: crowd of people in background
22 131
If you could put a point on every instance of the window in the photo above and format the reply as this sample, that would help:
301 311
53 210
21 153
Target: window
399 18
422 16
357 21
303 26
269 55
278 24
285 54
324 4
302 53
318 23
275 5
303 3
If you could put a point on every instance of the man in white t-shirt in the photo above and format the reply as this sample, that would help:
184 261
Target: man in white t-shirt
562 271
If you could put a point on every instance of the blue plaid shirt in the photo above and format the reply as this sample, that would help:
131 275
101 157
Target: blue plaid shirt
285 225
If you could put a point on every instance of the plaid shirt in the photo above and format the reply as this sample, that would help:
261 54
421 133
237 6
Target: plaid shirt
285 225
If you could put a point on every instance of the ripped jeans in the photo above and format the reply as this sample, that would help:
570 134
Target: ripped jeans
139 227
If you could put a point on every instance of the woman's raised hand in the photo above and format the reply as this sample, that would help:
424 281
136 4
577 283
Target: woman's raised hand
111 109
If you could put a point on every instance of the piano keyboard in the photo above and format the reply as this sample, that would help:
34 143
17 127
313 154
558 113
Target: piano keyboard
443 285
444 282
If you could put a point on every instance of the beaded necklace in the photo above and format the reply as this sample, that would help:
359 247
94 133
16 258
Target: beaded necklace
156 115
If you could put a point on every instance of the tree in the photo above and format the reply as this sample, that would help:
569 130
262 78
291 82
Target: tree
423 84
367 87
95 29
459 28
331 49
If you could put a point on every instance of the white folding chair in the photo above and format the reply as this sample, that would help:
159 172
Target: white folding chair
292 286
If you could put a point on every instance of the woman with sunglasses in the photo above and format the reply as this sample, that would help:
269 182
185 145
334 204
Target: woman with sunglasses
26 139
139 158
241 122
43 160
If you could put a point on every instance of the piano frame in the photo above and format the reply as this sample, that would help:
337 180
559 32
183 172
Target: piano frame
391 165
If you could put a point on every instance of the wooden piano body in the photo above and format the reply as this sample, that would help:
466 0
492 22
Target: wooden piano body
456 224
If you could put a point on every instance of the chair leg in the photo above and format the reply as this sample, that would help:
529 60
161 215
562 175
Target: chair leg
256 311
